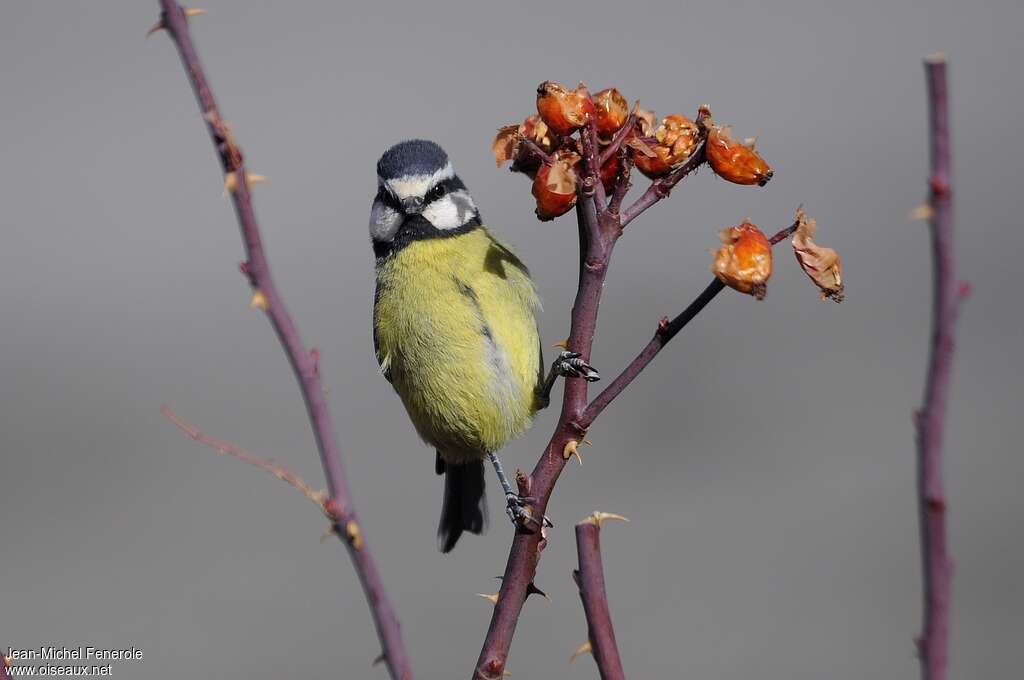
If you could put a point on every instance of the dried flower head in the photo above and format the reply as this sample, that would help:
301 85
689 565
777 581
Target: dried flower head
734 161
554 187
564 111
820 264
744 262
611 112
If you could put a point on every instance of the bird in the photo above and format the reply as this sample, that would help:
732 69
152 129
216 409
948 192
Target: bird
455 330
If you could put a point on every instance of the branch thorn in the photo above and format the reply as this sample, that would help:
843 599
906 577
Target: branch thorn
922 212
599 518
355 534
231 181
259 300
585 648
532 589
380 659
571 449
162 26
492 598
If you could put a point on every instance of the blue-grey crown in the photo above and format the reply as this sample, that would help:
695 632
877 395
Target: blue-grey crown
412 157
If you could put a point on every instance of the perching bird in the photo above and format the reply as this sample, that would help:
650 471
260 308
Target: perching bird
454 328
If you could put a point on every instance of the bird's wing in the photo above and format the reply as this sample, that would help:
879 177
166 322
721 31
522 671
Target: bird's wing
383 360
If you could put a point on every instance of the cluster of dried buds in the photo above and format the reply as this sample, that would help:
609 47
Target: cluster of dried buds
544 146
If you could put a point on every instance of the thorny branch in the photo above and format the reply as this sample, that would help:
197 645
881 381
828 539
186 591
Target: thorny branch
590 580
304 363
947 294
600 225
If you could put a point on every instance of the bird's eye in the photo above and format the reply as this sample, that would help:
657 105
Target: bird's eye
436 193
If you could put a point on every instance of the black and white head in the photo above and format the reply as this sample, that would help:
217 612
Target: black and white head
418 196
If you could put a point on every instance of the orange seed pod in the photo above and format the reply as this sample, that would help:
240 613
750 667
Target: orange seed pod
564 111
612 110
554 187
744 262
734 161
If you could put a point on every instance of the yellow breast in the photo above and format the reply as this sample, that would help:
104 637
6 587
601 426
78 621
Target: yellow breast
456 332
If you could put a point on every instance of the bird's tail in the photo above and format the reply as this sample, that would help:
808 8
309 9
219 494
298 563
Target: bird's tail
465 507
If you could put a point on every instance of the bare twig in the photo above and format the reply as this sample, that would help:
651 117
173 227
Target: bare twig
665 332
590 579
317 496
947 294
303 362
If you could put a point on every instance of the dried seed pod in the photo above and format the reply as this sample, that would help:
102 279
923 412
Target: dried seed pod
744 262
733 161
680 134
554 187
565 111
505 143
674 141
611 112
820 264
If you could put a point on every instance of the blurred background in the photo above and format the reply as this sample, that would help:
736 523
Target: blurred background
766 459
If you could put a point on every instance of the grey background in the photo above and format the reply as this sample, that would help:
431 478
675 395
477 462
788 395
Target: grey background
766 459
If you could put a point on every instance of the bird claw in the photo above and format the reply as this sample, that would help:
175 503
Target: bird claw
571 365
518 511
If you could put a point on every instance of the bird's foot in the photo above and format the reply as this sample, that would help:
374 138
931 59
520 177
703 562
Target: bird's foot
519 511
571 365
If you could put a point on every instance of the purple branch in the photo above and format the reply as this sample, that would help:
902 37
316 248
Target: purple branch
661 188
303 363
617 140
590 579
936 564
666 331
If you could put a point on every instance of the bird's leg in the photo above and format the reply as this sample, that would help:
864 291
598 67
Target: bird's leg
515 503
567 365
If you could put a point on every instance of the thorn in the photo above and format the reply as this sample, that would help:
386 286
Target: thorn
598 518
506 674
244 268
921 212
492 598
314 354
571 449
532 589
189 13
663 324
355 535
585 648
231 181
379 660
562 344
258 301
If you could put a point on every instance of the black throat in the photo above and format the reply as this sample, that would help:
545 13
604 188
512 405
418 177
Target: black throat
418 228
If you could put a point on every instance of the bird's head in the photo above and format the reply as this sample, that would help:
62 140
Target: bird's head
418 196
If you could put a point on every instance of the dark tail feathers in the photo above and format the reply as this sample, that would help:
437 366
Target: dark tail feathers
465 507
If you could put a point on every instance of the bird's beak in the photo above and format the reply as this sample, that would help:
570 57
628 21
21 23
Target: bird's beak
412 205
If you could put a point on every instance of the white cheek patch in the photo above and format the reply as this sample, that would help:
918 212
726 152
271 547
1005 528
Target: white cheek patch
418 185
451 211
384 222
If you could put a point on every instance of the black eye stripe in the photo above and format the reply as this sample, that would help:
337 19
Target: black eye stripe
444 187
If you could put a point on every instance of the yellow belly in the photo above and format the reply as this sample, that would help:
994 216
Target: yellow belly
457 336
